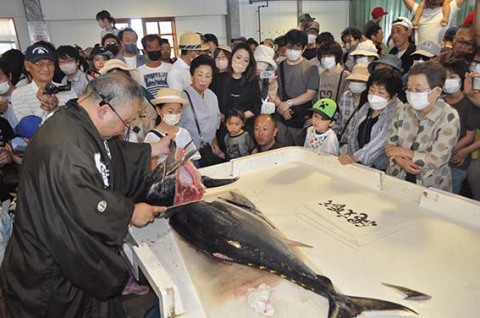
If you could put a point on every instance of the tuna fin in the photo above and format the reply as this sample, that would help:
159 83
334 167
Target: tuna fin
342 306
409 293
212 183
296 243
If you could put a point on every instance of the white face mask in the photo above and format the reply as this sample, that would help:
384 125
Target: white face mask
222 64
362 60
328 62
262 66
171 119
357 87
452 85
311 38
294 55
69 68
418 101
4 87
377 102
237 68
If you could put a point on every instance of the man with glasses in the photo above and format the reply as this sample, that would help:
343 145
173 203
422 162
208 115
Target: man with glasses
32 99
82 188
463 46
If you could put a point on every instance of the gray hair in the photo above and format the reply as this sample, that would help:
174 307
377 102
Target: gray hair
116 88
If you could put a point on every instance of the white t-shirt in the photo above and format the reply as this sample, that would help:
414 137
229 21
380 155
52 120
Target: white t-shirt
131 61
181 138
179 76
429 24
322 143
154 78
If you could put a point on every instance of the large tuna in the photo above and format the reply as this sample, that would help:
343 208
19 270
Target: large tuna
231 230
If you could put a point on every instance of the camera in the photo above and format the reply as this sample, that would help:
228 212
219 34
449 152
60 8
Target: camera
51 88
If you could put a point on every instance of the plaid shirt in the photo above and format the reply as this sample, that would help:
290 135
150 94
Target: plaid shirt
347 105
431 138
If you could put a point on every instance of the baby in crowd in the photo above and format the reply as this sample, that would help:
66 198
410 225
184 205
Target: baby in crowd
320 137
238 142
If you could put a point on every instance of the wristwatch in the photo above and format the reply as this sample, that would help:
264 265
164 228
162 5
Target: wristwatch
289 103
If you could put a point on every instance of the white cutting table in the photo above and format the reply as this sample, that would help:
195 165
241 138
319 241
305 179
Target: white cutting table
424 239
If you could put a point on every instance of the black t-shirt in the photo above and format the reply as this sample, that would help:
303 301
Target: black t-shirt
232 93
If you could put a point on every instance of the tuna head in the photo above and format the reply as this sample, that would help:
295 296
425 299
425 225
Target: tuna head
175 180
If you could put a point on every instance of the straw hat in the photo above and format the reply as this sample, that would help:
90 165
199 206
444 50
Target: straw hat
366 48
225 48
168 95
119 64
359 73
192 42
265 54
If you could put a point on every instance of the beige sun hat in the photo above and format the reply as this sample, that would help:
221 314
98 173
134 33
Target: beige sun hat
119 64
359 73
366 48
265 54
192 42
168 95
225 48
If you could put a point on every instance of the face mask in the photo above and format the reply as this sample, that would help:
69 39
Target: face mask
356 87
418 101
362 60
69 68
311 38
171 119
452 85
221 64
377 102
131 48
293 55
237 68
262 66
154 55
112 48
4 87
328 62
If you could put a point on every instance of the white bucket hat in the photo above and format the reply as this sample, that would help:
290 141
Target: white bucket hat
265 54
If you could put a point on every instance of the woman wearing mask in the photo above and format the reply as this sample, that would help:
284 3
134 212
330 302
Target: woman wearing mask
333 78
98 57
424 131
201 116
469 120
222 56
350 99
266 68
111 43
369 126
238 87
69 63
365 53
169 104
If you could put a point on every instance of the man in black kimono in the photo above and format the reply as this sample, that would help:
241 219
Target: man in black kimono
77 196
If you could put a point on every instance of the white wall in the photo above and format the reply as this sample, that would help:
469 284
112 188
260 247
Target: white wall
14 9
281 16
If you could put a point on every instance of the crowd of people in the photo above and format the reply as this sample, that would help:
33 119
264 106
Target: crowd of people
83 127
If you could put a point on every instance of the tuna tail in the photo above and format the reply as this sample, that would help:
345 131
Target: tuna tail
342 306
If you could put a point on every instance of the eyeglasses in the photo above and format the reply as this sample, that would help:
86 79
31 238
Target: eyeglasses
426 90
41 65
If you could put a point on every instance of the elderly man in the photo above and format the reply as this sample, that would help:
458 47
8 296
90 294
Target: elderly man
81 190
430 27
463 46
33 99
265 130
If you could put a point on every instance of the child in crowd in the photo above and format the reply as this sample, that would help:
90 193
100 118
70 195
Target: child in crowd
421 7
25 130
169 104
238 142
320 137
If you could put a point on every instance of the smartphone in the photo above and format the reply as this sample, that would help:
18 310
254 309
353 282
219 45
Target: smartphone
267 74
18 145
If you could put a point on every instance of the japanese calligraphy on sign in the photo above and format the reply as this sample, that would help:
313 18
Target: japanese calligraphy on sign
358 219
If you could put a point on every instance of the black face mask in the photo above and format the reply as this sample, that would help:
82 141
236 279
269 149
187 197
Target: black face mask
112 48
154 55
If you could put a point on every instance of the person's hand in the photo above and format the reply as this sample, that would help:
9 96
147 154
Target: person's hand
215 148
407 165
393 151
459 156
48 102
5 157
468 83
346 159
163 146
282 107
145 213
3 105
